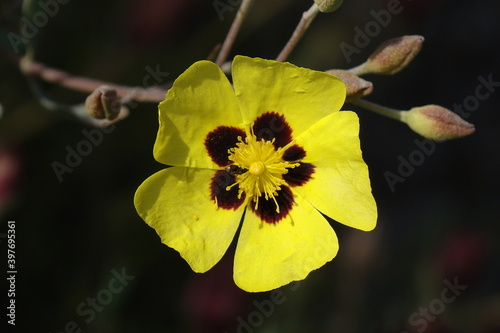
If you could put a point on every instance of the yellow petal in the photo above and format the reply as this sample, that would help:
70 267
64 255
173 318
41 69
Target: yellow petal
176 202
303 95
340 186
269 256
200 100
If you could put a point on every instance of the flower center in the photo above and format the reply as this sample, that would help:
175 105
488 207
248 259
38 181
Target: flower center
257 168
262 168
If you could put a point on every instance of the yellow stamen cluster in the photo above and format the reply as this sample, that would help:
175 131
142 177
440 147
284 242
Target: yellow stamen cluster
264 168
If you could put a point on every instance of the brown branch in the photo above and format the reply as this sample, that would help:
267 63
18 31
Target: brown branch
305 21
233 32
83 84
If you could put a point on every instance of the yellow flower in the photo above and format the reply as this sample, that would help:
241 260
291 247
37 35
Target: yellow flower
273 150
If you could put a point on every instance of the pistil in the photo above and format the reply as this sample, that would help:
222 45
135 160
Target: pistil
257 168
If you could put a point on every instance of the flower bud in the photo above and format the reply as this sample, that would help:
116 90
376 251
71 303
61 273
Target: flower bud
328 6
393 55
103 103
436 123
356 87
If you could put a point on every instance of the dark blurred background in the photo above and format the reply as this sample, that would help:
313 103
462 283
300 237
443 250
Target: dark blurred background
438 228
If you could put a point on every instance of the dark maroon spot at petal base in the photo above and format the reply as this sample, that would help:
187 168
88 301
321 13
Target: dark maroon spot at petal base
235 170
272 125
225 199
294 153
299 175
220 140
267 208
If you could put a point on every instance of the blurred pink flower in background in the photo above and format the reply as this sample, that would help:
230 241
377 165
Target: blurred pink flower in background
157 21
213 302
9 175
464 255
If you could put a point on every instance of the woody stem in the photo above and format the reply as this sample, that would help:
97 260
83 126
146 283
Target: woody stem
84 84
233 32
305 22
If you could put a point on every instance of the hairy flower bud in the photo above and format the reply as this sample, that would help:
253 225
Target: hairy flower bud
393 55
328 6
436 123
356 87
103 103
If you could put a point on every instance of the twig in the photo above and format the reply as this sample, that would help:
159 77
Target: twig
305 21
233 32
83 84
